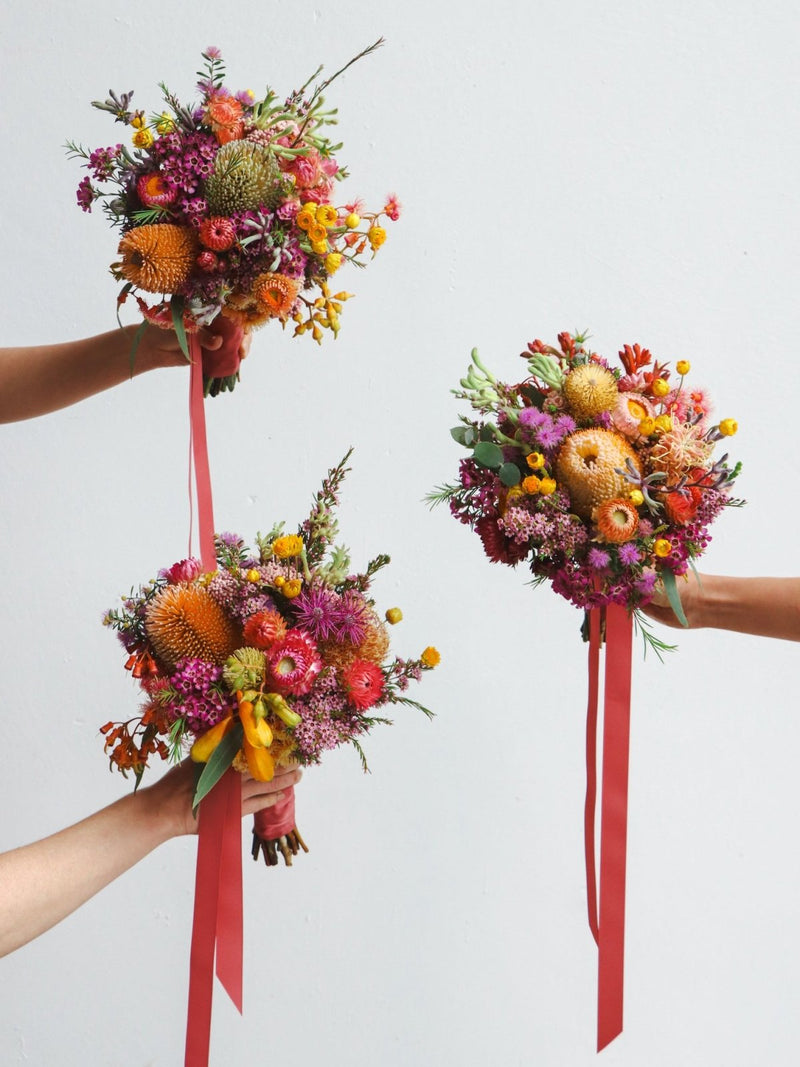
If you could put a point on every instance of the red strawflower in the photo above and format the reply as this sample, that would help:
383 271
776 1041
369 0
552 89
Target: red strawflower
208 262
498 547
363 682
293 664
217 233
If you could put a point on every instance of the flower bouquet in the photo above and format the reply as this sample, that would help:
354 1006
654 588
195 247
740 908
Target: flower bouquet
604 479
229 207
276 656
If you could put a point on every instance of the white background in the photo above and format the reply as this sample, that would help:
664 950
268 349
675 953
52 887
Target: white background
630 167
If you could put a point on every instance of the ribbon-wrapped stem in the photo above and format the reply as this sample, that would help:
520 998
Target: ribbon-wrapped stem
275 832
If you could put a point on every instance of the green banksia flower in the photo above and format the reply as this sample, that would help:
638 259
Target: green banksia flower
246 176
244 669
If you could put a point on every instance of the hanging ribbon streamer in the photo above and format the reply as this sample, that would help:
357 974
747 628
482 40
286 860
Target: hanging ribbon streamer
609 928
217 931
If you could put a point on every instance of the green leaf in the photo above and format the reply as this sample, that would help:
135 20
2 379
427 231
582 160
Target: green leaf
488 454
134 347
509 474
176 307
221 759
469 436
674 597
459 434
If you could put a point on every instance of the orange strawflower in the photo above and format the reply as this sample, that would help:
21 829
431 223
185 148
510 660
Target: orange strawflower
617 520
275 294
224 116
158 258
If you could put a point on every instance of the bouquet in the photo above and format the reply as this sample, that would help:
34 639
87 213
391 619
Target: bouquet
229 207
603 478
277 656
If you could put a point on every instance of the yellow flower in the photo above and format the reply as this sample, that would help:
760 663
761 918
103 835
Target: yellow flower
531 484
728 427
547 486
663 423
430 657
327 215
376 235
662 547
143 138
317 232
660 387
393 615
164 123
636 497
647 426
306 216
253 575
292 587
320 247
137 122
332 262
279 582
683 366
352 220
535 461
287 546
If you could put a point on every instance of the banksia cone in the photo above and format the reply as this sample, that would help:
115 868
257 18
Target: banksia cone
158 258
245 177
589 390
372 648
184 621
586 466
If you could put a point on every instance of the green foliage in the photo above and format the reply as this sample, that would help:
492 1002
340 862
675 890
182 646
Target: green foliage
221 759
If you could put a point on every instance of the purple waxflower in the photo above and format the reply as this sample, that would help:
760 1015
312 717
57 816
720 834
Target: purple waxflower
86 194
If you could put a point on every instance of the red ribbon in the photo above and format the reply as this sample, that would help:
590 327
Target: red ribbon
277 821
217 929
609 931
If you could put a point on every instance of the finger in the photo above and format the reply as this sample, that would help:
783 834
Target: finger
252 788
210 340
260 803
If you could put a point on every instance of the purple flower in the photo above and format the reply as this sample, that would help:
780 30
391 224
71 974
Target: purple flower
598 558
86 194
316 611
103 161
548 436
533 418
200 698
628 554
351 618
565 425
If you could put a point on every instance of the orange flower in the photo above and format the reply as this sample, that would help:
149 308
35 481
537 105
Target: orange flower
275 294
617 520
184 620
224 116
158 258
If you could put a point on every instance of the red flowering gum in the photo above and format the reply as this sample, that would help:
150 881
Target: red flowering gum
364 683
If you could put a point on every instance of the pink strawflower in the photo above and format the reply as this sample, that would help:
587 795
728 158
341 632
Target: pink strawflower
293 664
217 233
208 262
154 192
184 571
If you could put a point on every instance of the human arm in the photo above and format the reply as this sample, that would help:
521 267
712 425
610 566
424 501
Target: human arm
42 883
39 379
765 607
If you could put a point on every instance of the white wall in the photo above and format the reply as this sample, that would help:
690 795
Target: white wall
628 167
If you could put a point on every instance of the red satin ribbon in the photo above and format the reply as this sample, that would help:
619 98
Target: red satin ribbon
217 929
609 931
272 823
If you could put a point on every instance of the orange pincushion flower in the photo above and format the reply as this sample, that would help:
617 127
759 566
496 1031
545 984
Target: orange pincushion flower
158 258
617 520
275 294
185 621
587 466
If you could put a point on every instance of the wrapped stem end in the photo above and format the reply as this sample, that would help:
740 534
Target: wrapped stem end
288 845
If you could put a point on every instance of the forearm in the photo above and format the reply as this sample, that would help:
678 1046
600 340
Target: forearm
43 378
42 883
766 607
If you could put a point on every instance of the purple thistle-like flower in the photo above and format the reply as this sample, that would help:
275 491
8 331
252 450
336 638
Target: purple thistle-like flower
316 611
565 424
548 436
351 618
598 558
533 418
629 554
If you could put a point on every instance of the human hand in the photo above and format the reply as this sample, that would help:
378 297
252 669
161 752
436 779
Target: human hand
171 796
224 346
690 590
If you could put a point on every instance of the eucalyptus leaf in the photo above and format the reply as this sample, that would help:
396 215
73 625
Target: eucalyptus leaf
674 597
509 475
134 347
176 307
221 759
488 454
469 436
459 434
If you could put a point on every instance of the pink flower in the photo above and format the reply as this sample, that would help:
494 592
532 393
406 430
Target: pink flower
293 664
393 207
185 571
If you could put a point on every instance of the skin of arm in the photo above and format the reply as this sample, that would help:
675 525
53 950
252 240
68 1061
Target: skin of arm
42 883
39 379
765 607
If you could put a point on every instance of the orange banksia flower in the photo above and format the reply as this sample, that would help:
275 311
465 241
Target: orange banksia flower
185 621
588 465
158 258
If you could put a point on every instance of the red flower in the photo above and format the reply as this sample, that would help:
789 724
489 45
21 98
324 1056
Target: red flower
264 628
293 664
498 547
217 233
681 505
364 683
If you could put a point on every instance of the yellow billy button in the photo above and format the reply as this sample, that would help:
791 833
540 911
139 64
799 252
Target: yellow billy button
660 387
662 547
393 615
683 366
728 427
430 657
253 575
352 220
